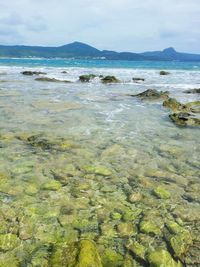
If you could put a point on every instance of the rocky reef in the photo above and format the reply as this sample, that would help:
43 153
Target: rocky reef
31 73
184 114
152 95
47 79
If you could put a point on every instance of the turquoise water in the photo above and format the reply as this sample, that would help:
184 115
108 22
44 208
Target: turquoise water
100 64
84 161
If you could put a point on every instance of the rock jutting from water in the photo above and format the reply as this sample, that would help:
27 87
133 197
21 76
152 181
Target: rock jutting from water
86 77
162 72
183 114
47 79
192 91
31 73
110 79
152 95
136 79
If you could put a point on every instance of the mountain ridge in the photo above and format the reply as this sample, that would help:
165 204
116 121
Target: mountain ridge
81 50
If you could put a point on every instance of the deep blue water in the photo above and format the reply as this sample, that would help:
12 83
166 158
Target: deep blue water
174 65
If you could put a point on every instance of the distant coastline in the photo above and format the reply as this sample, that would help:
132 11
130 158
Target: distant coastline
79 50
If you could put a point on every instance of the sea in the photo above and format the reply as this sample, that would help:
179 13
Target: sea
88 161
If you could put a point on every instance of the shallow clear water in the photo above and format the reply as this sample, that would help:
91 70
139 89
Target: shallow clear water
83 160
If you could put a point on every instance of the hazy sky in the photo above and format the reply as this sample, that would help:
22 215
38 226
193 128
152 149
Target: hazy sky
122 25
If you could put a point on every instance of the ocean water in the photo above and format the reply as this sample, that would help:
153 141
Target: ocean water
87 161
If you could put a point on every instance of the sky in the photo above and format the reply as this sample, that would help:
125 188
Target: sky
120 25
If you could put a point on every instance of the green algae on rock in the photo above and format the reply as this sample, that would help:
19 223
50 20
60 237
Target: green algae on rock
64 255
8 241
180 243
88 255
111 258
99 170
126 229
149 227
51 185
161 193
138 249
184 119
162 258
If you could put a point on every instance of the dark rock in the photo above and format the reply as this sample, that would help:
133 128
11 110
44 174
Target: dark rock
86 78
31 73
110 79
64 72
152 94
138 79
162 72
193 91
46 79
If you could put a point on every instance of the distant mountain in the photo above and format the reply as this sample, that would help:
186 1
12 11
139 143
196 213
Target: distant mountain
83 51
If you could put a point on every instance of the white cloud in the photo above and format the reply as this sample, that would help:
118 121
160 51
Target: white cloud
131 25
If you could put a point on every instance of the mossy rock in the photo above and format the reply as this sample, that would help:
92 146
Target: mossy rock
185 119
88 255
192 91
161 193
87 77
64 255
116 215
9 260
99 170
132 215
163 72
174 227
52 185
8 242
148 227
126 229
110 79
137 249
174 105
162 258
180 243
111 258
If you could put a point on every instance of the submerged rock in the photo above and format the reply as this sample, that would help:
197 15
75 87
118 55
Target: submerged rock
88 255
162 72
180 243
161 193
8 241
64 255
111 258
99 170
110 79
47 79
51 185
192 91
152 94
137 249
86 78
162 258
126 229
31 73
149 227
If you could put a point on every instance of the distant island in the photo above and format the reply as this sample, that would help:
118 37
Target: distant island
80 50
